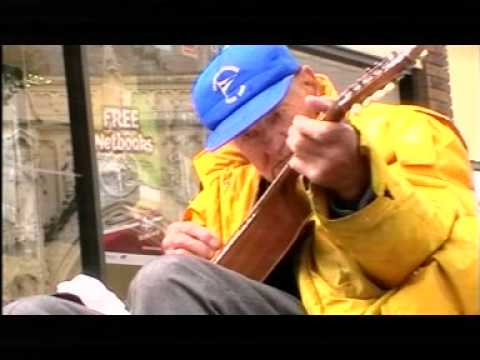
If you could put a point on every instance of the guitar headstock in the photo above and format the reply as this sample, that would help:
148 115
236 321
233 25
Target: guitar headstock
375 82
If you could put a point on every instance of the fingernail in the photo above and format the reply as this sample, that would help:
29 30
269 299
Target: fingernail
215 242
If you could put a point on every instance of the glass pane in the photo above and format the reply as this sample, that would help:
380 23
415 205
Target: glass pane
342 75
40 245
146 134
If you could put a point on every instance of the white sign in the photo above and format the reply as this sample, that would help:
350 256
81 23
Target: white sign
121 132
128 259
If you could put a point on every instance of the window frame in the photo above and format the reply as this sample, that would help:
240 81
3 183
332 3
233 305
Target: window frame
84 160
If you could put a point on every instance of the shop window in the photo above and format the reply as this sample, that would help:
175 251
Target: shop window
40 245
146 134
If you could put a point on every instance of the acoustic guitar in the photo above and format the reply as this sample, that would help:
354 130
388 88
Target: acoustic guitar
281 217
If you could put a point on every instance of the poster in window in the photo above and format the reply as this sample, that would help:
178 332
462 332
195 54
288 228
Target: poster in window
146 134
120 143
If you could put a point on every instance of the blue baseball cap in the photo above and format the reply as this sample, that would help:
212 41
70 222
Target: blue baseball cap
239 86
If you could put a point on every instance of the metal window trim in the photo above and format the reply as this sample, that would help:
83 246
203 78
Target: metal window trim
85 165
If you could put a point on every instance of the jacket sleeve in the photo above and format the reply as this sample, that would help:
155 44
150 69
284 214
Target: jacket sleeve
419 194
229 188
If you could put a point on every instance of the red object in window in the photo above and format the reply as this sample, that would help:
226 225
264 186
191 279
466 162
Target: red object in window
129 241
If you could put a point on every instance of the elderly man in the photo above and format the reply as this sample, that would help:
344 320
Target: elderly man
390 191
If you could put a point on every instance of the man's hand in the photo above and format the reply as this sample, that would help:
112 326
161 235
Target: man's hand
328 153
189 238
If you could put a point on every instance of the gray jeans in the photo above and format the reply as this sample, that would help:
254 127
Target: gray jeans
183 285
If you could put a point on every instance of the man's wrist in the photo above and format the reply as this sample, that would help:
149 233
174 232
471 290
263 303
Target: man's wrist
340 207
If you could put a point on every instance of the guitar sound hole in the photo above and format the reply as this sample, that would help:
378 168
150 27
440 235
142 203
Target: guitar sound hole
283 277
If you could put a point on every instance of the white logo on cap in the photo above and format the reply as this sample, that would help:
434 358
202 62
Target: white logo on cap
224 84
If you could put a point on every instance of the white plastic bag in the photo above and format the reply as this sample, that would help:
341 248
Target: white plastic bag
94 295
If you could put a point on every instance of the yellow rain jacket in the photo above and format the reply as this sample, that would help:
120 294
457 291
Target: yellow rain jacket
413 250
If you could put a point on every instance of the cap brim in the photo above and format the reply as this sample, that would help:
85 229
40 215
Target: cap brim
248 114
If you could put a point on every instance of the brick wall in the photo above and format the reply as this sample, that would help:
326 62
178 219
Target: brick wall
432 84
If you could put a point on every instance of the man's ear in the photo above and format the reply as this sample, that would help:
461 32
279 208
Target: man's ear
307 78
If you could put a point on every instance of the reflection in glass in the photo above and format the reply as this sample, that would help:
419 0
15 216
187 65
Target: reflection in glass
39 228
145 129
146 135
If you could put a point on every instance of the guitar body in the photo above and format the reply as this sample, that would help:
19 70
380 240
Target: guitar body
284 214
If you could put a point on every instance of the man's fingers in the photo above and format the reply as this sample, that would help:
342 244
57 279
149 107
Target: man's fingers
300 144
196 231
313 173
314 129
183 241
318 104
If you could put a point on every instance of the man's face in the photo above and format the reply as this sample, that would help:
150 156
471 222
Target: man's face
263 144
